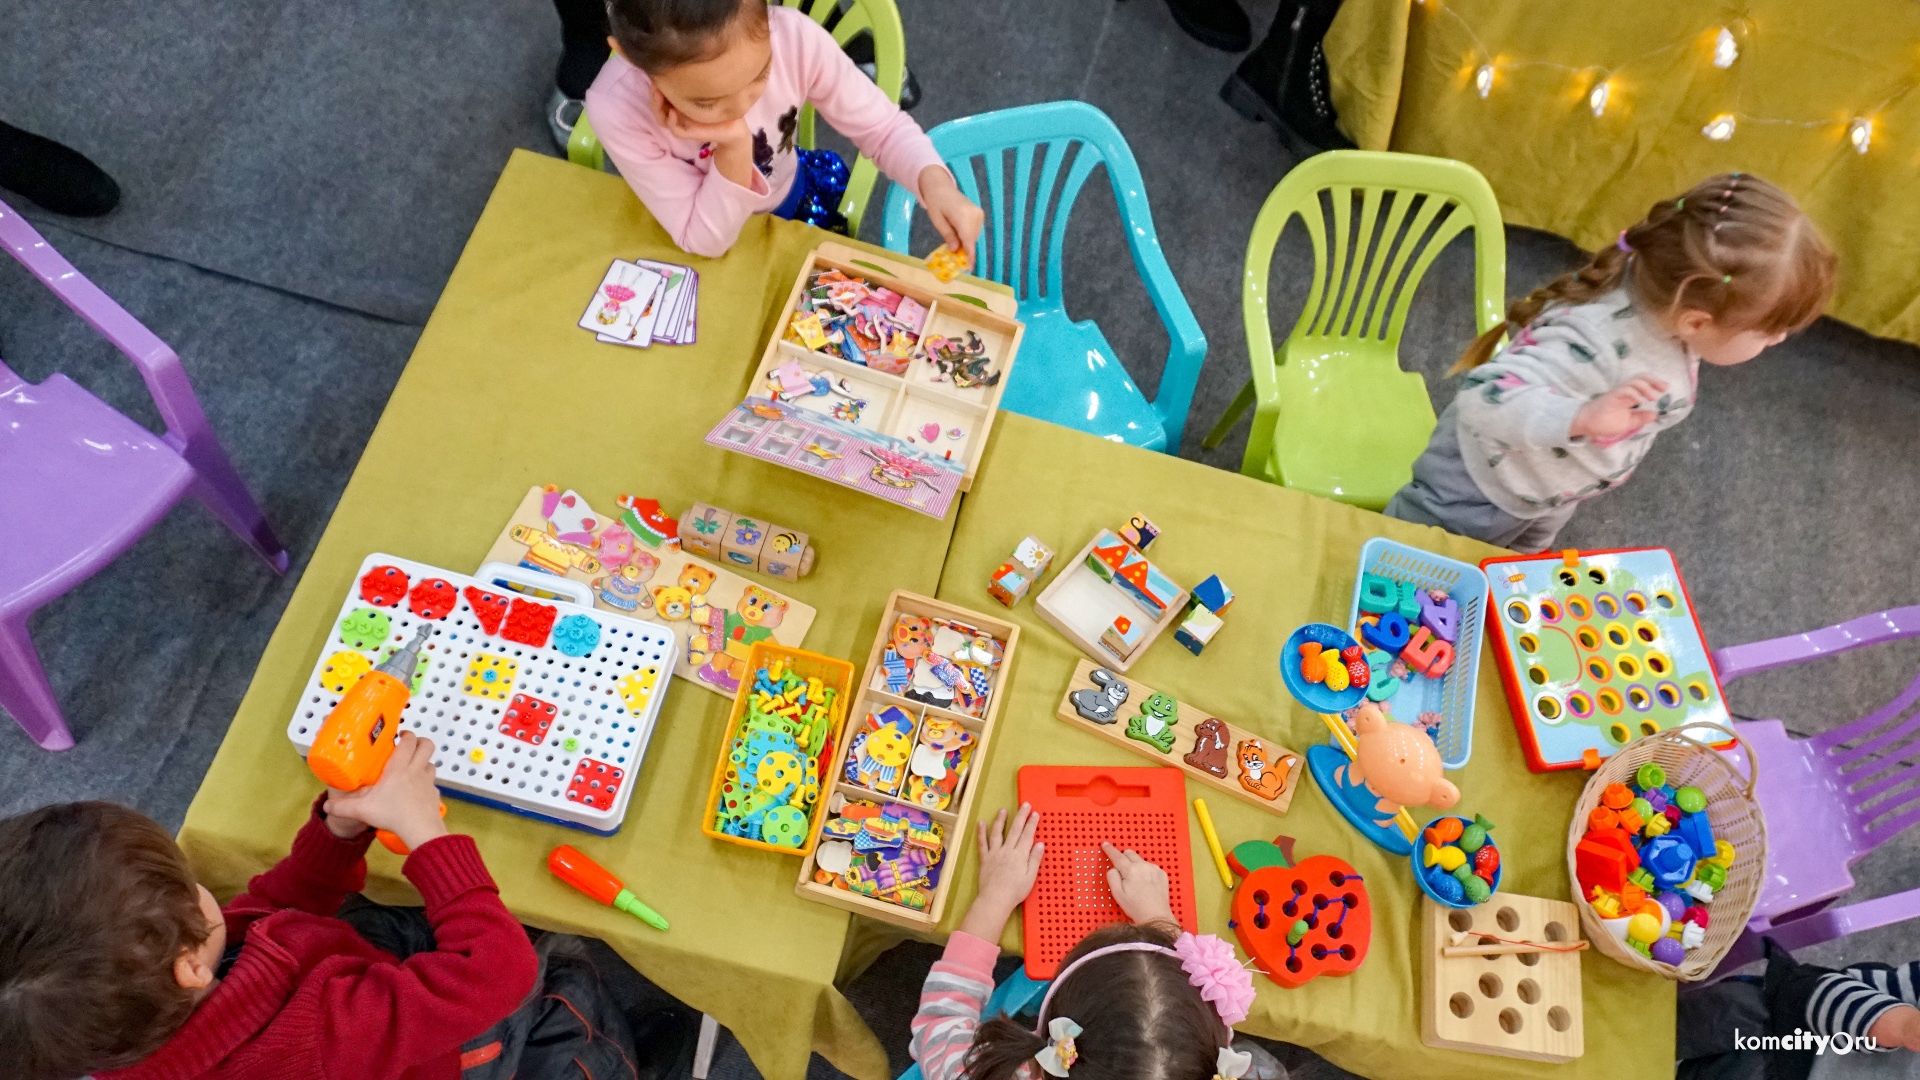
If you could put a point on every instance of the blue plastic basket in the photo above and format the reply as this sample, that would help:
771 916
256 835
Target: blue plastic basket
1452 695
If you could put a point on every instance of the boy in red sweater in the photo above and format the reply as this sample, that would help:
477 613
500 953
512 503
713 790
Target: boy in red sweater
113 958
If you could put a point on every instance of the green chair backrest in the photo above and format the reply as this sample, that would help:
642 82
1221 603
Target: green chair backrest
1363 289
878 17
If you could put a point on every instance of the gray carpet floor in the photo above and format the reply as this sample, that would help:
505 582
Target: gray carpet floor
299 181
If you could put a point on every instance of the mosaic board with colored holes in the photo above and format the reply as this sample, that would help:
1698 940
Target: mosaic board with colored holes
1596 649
543 708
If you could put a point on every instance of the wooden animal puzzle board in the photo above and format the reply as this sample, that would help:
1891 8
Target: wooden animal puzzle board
951 819
1081 605
710 586
1197 737
526 728
1524 1005
913 438
1597 651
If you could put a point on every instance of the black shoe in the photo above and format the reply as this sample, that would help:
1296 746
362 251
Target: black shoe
859 49
1217 24
53 176
1284 81
663 1042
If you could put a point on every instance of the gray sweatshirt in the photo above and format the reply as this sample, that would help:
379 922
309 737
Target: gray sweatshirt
1514 412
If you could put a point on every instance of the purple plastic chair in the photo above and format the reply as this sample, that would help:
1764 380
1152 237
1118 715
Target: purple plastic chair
1826 798
79 482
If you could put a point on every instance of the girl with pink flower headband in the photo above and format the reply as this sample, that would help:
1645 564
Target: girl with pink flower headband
1139 999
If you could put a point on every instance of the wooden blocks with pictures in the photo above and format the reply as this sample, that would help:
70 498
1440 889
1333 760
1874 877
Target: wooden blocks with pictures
1028 564
900 788
1111 601
1152 724
880 378
1200 620
1512 1004
746 542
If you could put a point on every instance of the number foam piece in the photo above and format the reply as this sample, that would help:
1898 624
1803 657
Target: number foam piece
1441 617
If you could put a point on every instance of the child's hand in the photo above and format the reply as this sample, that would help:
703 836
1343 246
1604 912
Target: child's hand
1897 1027
1138 886
953 215
1617 413
680 127
341 824
404 801
1009 864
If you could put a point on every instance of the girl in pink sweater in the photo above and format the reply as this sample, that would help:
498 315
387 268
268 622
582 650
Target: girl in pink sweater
1139 999
698 108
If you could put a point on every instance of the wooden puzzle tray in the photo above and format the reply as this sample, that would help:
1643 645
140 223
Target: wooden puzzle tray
1201 744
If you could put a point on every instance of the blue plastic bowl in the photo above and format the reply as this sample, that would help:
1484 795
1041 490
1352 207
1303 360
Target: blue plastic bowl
1316 696
1420 870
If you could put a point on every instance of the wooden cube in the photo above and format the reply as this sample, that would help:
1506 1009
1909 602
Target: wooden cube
1196 630
1009 583
700 530
1140 531
786 555
742 539
1124 634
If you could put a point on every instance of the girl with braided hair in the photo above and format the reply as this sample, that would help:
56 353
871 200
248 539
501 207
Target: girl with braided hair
1603 359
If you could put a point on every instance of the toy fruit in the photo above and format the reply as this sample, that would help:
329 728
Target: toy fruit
1447 871
1299 921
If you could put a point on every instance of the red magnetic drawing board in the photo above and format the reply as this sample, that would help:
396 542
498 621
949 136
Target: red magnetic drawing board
1144 810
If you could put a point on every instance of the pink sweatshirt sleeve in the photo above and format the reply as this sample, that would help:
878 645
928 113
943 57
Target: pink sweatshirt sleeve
957 989
700 208
847 99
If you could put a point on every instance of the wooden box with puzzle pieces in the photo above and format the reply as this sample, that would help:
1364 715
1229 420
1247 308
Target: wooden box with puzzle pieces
878 378
1596 649
900 792
539 706
634 566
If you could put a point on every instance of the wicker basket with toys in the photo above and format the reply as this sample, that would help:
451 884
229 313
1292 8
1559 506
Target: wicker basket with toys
1667 850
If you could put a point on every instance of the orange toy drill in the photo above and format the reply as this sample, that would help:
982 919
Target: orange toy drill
353 745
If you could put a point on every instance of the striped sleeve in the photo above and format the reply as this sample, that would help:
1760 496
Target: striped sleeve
957 989
1851 1001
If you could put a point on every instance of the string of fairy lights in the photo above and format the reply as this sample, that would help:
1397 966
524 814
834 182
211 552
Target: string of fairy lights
1721 46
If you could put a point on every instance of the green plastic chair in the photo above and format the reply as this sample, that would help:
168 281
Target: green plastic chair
1335 415
878 17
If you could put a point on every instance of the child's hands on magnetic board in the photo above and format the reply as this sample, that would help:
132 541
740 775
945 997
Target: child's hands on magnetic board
1009 865
403 801
1139 887
1618 413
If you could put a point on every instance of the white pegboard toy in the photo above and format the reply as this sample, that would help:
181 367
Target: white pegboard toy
539 707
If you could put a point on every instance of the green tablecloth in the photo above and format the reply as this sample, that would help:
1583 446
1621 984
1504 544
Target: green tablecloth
504 391
1290 558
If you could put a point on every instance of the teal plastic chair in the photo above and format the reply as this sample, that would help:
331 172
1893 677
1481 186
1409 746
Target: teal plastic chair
879 18
1066 372
1010 998
1335 415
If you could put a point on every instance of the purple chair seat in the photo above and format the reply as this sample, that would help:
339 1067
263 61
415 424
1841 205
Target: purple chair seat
79 481
115 479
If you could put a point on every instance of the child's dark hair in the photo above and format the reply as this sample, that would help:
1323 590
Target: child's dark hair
655 35
1734 246
1140 1017
96 903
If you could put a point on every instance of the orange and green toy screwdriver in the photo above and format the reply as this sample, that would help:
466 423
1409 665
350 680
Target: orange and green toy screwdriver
591 878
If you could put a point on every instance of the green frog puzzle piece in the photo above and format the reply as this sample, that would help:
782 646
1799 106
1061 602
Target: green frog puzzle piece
1154 725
